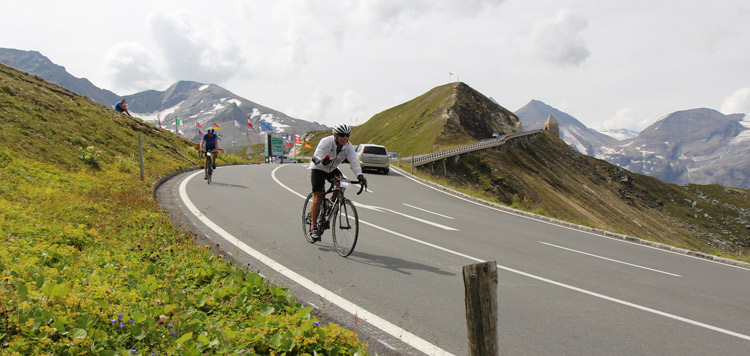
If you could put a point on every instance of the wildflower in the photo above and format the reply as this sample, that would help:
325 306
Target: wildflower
132 321
122 325
114 321
174 333
119 316
7 278
132 351
316 323
243 351
171 326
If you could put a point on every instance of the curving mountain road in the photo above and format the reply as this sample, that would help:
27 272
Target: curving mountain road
561 291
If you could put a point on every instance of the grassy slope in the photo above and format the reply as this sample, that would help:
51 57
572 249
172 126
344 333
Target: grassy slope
547 176
90 265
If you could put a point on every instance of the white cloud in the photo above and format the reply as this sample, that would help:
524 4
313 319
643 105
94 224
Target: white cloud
132 67
317 110
738 102
558 40
202 53
355 105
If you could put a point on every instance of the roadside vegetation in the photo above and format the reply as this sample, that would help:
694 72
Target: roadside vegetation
89 264
549 178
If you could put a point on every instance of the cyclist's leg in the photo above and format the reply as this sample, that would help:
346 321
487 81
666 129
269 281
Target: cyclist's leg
335 174
213 156
317 179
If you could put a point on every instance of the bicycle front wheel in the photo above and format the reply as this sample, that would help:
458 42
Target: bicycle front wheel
345 227
307 218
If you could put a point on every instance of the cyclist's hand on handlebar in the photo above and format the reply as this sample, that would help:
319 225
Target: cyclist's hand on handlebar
362 180
326 160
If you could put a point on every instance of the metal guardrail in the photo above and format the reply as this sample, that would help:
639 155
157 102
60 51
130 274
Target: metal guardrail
432 157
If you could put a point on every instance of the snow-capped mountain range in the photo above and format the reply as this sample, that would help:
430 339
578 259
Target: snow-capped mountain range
699 146
190 102
198 105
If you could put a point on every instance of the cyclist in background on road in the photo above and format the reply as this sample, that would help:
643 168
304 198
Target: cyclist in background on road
122 106
331 151
210 143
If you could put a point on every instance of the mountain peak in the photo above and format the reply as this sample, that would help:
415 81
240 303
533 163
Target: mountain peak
447 116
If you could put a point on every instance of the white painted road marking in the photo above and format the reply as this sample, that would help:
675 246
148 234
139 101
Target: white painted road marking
427 211
608 259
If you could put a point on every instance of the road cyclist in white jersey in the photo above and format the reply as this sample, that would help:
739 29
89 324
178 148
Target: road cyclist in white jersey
329 153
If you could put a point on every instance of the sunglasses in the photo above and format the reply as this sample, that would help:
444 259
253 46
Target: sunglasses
343 135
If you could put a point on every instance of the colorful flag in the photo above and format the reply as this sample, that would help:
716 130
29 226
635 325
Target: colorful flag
216 127
449 73
177 122
199 125
307 145
218 136
235 122
264 126
200 133
249 124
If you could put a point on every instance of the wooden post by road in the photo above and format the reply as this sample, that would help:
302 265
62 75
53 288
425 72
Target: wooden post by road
480 287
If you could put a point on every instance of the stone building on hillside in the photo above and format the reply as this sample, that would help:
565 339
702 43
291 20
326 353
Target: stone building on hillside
552 126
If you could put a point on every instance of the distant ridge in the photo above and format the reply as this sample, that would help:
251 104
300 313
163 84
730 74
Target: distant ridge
35 63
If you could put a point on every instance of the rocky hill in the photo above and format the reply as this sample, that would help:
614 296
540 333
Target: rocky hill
447 116
549 177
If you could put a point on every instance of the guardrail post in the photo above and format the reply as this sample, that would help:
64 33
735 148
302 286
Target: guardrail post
412 163
480 289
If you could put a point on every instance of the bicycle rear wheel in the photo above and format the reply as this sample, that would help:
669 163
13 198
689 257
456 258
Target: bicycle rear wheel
307 219
345 227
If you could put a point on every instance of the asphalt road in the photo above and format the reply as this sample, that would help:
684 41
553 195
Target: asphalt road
561 291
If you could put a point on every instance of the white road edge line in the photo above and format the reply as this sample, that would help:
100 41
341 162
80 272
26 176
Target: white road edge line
376 321
593 294
427 211
608 259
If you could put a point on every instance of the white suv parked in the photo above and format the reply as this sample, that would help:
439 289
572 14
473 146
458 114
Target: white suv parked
373 156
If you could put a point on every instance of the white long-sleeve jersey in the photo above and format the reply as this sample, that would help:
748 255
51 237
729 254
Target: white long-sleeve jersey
328 146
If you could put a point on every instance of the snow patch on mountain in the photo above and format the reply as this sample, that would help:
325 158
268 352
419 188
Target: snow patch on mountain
155 116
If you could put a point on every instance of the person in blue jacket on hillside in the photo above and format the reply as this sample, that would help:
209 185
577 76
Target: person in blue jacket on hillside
122 106
331 151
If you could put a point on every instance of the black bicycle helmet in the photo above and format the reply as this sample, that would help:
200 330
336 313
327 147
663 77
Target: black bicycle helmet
342 129
211 130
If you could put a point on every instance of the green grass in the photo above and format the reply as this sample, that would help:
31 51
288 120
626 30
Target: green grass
89 264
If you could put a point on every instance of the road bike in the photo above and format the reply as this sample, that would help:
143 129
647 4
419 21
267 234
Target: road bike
339 215
209 166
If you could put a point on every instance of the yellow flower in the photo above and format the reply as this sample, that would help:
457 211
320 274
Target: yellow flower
7 278
30 322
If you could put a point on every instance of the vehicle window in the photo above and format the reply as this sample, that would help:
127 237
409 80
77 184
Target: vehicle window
376 150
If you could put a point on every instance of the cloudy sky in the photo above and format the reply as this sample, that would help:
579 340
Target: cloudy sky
611 64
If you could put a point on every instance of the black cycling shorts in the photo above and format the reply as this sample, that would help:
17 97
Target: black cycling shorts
318 179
